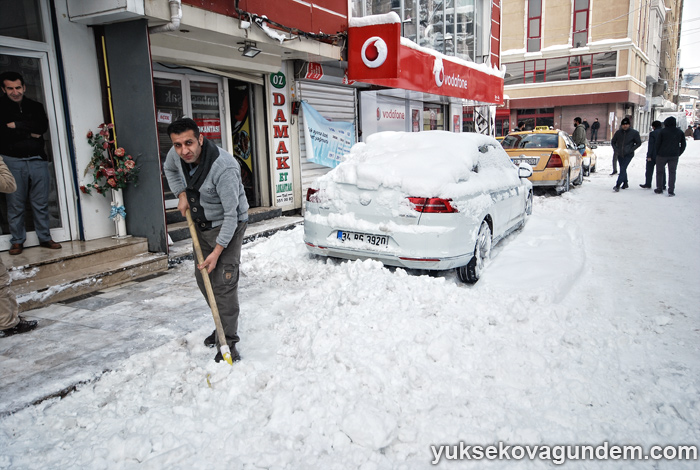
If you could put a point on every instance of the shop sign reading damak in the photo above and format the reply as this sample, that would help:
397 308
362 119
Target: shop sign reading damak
284 186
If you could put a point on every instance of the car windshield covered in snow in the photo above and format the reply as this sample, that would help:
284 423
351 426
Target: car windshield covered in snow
435 163
527 140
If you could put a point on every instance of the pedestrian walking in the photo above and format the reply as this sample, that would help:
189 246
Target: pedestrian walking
625 141
207 180
689 131
10 322
594 130
696 132
23 122
586 126
669 146
651 154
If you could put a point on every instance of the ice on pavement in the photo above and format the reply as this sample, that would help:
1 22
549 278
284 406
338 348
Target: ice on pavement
583 329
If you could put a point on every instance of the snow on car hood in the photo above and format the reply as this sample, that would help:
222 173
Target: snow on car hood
426 164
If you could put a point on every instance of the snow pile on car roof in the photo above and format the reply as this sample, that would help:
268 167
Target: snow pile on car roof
426 163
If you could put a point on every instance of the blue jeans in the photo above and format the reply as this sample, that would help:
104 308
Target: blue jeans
624 163
33 181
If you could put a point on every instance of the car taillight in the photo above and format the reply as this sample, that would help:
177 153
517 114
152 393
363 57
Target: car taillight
554 161
583 154
313 195
432 205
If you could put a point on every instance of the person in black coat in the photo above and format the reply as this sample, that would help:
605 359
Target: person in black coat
696 132
625 141
594 130
651 155
669 146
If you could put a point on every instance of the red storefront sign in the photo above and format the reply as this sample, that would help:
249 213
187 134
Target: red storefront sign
314 71
209 128
378 55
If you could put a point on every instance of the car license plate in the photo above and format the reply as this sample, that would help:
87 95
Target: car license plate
529 161
376 240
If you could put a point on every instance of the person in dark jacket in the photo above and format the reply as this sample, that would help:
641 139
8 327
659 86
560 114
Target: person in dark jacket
625 141
651 154
23 121
669 146
696 132
594 130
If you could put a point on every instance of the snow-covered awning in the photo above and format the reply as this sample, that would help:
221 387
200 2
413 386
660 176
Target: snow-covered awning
377 54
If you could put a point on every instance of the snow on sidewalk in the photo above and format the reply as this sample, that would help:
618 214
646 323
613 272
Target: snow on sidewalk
584 329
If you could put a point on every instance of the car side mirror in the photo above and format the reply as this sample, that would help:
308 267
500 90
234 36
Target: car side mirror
524 170
581 147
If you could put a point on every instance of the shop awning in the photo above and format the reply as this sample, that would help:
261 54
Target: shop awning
377 54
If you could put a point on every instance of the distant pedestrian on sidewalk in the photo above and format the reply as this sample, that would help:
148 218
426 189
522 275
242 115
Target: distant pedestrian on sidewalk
696 132
625 141
10 322
207 180
579 135
669 146
594 130
689 131
651 154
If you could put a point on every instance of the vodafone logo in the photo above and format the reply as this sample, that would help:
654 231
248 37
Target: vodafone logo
439 72
374 52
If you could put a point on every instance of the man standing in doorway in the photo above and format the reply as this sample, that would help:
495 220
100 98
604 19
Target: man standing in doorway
625 141
23 122
207 180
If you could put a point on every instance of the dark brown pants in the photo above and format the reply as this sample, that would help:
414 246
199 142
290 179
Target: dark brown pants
224 279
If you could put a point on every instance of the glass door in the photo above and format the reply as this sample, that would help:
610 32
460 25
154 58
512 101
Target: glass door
198 97
34 68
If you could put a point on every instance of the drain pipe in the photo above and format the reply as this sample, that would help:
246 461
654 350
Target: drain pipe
175 17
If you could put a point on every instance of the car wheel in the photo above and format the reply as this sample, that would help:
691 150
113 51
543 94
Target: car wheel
593 169
579 180
567 184
528 204
588 171
472 271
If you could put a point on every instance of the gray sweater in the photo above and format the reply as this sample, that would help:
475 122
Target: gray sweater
222 195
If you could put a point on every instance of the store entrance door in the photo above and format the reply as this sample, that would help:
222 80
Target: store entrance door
195 96
34 68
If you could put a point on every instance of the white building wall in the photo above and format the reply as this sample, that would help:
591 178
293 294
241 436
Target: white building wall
85 111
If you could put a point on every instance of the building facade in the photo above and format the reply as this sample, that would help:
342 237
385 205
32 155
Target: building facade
587 58
244 70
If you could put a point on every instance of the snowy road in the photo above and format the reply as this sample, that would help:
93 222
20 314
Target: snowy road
584 329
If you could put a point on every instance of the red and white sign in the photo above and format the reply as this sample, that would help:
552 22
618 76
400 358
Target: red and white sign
209 128
314 71
378 55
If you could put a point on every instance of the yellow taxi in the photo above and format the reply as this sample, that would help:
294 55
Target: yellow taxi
551 153
590 160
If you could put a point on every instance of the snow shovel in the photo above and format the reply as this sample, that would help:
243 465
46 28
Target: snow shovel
225 351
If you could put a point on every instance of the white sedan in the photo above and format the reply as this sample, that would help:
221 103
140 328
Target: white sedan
430 200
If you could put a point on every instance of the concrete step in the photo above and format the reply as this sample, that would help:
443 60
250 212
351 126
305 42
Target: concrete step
41 277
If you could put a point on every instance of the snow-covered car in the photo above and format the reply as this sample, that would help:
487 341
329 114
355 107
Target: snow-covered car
431 200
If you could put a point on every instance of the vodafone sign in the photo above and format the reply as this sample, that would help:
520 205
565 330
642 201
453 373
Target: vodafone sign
378 55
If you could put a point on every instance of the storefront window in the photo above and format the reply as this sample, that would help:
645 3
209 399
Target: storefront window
433 118
21 20
204 97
